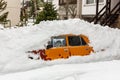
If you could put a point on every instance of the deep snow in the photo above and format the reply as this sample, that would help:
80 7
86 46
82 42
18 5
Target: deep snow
15 42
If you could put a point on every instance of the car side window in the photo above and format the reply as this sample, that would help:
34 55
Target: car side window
83 41
49 45
76 41
59 41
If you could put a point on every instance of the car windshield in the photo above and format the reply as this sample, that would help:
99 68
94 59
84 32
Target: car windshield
58 41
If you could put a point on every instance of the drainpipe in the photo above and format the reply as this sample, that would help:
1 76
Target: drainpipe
79 9
67 7
97 9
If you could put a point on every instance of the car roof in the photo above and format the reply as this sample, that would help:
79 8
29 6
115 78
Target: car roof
63 35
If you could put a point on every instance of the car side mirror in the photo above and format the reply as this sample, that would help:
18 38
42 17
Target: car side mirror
49 46
45 45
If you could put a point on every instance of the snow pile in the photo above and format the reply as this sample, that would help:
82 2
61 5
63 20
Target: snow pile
88 71
15 42
1 26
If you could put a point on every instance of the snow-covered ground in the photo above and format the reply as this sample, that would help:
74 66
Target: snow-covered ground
101 65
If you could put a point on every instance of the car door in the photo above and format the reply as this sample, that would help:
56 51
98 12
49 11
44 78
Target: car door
59 50
77 46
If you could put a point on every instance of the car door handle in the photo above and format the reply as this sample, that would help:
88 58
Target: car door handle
87 49
65 50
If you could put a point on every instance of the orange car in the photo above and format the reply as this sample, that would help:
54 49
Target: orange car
64 46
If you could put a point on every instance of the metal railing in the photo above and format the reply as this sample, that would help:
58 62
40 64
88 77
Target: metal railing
109 18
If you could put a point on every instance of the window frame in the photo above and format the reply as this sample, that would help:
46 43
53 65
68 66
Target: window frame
90 3
63 2
82 41
94 2
60 38
70 42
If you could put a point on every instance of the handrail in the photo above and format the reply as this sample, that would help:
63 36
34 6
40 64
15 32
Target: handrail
111 16
99 13
115 7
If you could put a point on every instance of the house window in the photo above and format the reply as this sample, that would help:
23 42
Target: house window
93 1
63 2
89 1
101 1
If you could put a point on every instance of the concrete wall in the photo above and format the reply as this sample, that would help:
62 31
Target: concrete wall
13 7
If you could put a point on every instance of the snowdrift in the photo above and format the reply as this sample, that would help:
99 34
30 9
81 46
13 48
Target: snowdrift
15 42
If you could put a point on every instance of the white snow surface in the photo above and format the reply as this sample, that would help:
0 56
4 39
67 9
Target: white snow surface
104 64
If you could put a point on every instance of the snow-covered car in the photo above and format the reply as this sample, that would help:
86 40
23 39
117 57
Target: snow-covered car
64 46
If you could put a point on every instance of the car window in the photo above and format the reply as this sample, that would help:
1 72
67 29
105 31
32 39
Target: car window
83 41
49 45
76 41
59 41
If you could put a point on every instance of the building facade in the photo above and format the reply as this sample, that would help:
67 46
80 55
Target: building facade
105 10
89 6
13 7
67 9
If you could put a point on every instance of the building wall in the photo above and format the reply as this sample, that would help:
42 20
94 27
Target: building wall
116 23
62 12
114 2
56 3
71 10
90 9
13 7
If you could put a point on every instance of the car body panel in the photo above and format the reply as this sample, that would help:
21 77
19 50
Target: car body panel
67 50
